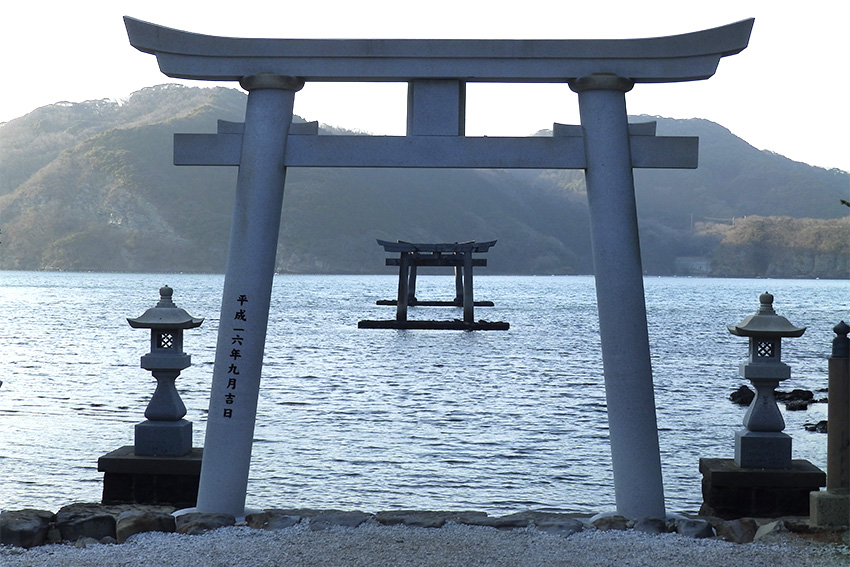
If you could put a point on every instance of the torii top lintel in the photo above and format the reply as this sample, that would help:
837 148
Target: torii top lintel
685 57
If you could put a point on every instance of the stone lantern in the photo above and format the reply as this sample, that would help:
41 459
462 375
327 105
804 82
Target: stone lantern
165 432
762 444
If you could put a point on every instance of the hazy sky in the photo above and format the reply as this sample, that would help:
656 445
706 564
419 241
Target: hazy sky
787 92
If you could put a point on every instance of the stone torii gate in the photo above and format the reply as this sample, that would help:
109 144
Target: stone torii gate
437 71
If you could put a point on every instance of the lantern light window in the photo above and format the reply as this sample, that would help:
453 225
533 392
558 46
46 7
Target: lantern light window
166 340
765 349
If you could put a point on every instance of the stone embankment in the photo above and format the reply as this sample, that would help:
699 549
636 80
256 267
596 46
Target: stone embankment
84 524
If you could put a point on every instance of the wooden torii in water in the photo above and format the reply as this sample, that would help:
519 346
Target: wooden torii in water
605 146
457 255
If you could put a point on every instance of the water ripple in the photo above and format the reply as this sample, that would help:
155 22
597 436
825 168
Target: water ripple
370 419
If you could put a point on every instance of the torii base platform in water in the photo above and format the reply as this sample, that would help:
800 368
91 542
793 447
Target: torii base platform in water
457 255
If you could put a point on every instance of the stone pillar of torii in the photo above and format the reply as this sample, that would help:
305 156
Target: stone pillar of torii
437 71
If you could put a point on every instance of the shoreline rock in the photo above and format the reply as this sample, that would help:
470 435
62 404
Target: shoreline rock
88 523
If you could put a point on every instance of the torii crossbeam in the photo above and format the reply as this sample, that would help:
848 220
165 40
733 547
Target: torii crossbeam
437 71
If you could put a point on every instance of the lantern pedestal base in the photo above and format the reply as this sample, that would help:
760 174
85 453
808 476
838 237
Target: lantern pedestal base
141 479
762 450
730 491
163 438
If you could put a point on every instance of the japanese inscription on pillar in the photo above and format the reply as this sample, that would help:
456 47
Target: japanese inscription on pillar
237 341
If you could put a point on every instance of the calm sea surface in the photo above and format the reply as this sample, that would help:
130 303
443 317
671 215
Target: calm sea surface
498 421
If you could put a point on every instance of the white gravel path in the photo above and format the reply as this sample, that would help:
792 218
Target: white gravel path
450 546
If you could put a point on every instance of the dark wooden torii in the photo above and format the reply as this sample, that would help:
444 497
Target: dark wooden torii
457 255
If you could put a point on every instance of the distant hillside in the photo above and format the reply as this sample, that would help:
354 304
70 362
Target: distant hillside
90 186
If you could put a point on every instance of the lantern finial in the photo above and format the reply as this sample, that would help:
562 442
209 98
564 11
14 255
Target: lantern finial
766 304
165 294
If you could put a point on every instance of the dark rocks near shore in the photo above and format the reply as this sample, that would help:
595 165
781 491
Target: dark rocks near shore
797 405
741 530
426 519
795 400
696 528
133 522
25 528
795 396
84 520
83 523
606 522
317 519
196 523
272 520
743 396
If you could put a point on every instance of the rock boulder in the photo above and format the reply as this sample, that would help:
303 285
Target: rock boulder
85 520
25 528
133 522
195 523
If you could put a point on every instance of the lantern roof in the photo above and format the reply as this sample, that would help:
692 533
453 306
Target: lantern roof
166 315
765 322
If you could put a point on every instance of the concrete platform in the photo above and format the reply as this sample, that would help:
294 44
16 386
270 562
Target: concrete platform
730 491
140 479
456 325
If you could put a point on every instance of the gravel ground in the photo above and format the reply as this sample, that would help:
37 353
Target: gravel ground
452 545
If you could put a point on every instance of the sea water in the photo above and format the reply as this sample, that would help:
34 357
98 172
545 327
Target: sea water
366 419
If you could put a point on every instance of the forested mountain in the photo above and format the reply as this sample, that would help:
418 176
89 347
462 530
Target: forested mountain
90 186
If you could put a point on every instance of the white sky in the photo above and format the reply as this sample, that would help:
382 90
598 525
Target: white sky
787 92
